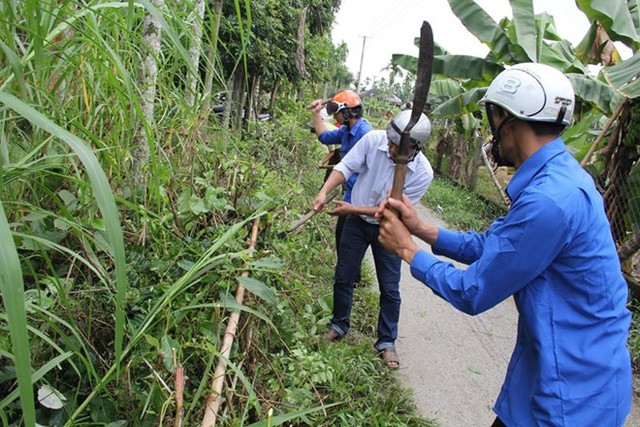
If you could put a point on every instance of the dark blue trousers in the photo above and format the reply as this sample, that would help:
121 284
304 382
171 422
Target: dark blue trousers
357 236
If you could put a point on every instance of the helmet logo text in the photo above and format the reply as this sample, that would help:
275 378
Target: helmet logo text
563 101
511 85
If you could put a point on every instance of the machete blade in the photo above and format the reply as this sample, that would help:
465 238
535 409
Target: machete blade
420 92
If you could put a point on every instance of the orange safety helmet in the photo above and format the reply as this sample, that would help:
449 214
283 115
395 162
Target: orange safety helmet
347 99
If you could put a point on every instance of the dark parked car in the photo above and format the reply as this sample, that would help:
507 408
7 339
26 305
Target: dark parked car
219 102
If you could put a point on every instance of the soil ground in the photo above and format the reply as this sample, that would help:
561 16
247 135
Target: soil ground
455 363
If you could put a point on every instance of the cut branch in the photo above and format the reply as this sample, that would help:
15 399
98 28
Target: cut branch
214 399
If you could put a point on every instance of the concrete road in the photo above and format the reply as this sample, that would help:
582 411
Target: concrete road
455 363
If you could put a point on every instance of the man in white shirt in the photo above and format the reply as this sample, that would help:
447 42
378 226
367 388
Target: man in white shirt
373 158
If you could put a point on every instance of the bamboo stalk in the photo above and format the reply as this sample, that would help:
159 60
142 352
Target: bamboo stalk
179 385
485 159
606 127
214 399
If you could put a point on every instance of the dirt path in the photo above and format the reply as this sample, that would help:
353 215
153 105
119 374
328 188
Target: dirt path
455 363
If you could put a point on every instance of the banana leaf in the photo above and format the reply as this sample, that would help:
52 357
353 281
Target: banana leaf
466 102
524 23
453 66
595 92
625 76
481 24
619 20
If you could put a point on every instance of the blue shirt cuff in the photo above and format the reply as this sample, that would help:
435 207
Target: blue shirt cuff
421 263
446 242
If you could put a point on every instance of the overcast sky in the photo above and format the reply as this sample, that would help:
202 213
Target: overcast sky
390 26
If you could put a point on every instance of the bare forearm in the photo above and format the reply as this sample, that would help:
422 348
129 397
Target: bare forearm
318 124
427 232
335 178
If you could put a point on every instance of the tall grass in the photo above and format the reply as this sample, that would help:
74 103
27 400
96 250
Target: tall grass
69 83
102 284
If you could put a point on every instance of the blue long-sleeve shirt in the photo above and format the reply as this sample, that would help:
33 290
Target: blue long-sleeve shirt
347 138
554 253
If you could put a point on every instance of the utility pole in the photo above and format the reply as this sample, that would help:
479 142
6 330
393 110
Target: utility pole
364 40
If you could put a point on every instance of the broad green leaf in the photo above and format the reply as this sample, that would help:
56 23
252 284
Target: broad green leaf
453 66
564 58
525 27
481 24
625 76
554 58
152 341
408 62
446 88
466 67
167 344
258 288
230 304
616 18
549 24
464 103
197 205
12 289
267 262
578 138
594 92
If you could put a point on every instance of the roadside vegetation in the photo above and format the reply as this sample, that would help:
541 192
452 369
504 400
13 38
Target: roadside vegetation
134 165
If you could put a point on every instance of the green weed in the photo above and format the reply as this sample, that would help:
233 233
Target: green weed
459 207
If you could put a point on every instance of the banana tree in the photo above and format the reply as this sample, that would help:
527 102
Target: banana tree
616 164
524 38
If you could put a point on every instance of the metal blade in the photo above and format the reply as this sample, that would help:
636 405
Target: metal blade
420 92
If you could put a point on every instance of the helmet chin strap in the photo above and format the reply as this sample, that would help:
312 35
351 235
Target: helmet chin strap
495 143
414 143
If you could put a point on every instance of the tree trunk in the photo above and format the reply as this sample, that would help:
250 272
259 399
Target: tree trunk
274 96
256 96
443 148
459 152
237 98
228 106
300 49
212 53
194 52
149 74
474 161
249 109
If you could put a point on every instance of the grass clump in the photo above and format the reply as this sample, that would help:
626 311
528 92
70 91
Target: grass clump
460 208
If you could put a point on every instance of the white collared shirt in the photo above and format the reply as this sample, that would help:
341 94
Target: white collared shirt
370 159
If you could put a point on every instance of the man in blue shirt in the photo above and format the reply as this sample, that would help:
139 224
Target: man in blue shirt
374 159
553 252
346 108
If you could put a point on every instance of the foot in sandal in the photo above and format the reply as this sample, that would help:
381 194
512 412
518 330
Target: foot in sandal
390 358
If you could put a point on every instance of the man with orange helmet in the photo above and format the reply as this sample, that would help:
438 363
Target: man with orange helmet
346 108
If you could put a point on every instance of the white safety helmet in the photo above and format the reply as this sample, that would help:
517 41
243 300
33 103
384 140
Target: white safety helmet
419 133
533 92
